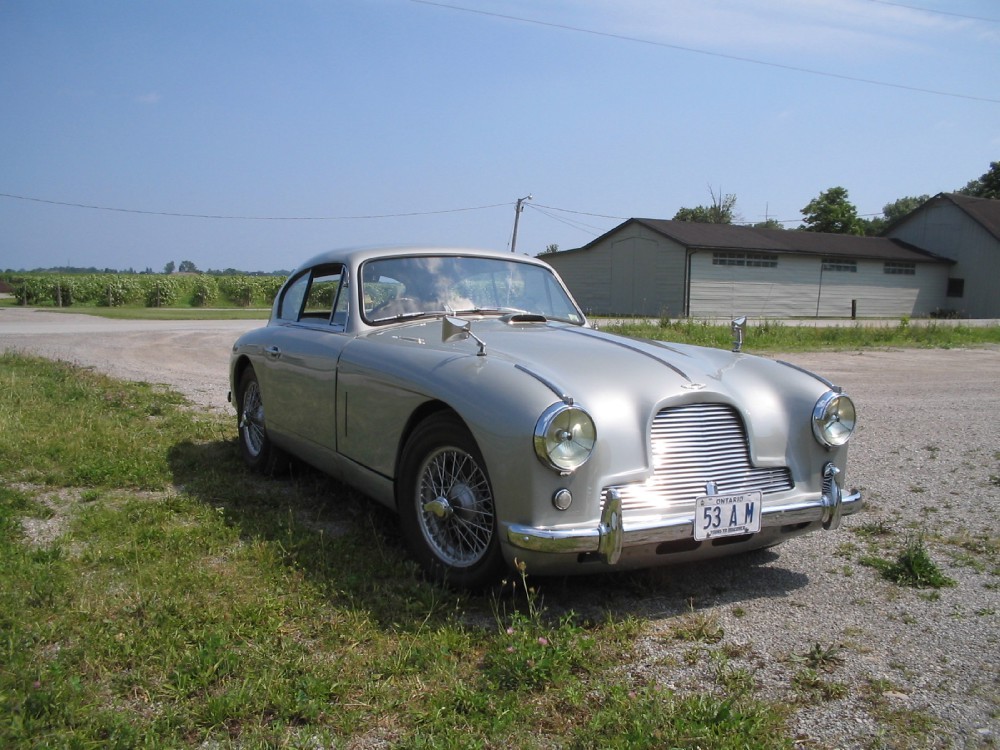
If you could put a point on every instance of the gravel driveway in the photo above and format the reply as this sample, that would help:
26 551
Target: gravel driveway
861 661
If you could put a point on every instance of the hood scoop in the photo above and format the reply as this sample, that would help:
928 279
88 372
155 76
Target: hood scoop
514 319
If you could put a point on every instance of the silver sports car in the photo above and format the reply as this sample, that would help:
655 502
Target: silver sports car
466 390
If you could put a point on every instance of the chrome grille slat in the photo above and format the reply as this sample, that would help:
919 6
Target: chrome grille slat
693 445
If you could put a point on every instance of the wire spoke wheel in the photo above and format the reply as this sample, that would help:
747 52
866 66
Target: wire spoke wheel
446 504
455 507
252 419
259 453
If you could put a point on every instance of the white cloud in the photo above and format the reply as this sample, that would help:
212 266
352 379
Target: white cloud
153 97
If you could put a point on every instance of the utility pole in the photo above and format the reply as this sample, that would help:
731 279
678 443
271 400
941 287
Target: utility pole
517 215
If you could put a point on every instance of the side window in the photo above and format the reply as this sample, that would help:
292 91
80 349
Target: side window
291 300
341 306
322 293
311 296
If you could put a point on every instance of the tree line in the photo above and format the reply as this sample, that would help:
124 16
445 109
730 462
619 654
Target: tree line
832 211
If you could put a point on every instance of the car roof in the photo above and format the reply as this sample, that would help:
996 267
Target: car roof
353 256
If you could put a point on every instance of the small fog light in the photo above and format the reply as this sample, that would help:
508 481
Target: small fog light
562 499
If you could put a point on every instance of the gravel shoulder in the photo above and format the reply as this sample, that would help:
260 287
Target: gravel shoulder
894 666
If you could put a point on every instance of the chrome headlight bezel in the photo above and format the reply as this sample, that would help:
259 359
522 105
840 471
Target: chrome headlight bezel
834 419
565 436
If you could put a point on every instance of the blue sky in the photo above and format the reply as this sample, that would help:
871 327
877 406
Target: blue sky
358 122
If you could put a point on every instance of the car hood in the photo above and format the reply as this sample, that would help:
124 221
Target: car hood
583 363
621 382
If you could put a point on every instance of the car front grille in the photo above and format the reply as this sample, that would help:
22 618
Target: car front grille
693 446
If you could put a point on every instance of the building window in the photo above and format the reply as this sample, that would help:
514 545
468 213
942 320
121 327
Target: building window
838 264
956 287
752 260
900 267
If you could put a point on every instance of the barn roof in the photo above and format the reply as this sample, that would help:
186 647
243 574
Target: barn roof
729 237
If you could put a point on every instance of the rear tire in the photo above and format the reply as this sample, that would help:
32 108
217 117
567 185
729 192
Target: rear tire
259 453
446 505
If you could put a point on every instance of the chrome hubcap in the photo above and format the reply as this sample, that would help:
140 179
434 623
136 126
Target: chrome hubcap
252 420
456 507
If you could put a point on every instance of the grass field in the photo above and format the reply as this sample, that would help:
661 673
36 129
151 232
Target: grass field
157 595
778 336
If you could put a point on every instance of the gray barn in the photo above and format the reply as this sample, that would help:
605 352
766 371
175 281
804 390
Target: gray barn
966 230
651 267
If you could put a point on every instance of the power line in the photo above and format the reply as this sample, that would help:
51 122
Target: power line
938 12
722 55
579 213
247 218
578 225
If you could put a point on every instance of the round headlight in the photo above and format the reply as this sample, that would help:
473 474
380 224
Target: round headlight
564 437
833 419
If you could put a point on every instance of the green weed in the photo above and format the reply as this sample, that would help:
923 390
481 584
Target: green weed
809 685
698 627
913 567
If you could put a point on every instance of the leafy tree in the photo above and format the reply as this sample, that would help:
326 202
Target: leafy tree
720 212
832 212
987 186
768 224
187 266
892 212
549 249
903 206
169 268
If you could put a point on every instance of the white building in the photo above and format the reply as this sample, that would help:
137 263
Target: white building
652 267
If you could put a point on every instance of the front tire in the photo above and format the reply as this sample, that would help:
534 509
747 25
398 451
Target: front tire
446 505
259 453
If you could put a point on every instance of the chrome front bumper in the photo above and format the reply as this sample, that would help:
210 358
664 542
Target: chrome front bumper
609 537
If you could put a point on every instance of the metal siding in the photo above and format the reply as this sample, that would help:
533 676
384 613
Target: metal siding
664 270
726 291
586 274
633 272
945 229
797 288
879 294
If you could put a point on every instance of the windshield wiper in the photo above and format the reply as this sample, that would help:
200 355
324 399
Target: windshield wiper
410 316
490 310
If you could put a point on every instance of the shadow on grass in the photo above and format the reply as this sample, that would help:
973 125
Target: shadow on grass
351 547
346 545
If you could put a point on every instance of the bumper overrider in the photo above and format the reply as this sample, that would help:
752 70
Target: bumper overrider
609 537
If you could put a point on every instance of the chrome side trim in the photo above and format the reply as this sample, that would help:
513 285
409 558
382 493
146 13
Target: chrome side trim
820 378
560 393
632 348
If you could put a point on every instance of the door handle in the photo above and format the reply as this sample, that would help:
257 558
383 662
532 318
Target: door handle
272 352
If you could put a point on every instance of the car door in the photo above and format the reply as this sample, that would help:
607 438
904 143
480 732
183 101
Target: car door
300 362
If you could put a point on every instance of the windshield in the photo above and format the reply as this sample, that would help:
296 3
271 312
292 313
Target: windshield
415 286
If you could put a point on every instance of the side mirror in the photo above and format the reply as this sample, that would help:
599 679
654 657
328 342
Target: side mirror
457 329
738 326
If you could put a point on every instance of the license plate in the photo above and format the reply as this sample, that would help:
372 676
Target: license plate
725 515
